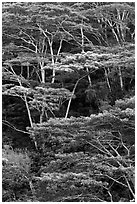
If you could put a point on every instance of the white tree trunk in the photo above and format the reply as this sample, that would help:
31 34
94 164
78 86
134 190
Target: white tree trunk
89 78
27 106
121 80
42 75
107 79
82 38
52 62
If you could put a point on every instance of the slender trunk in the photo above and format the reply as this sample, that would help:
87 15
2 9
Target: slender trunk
52 59
42 114
28 110
119 32
122 34
39 74
117 39
53 75
59 49
120 77
50 42
82 38
21 70
107 79
25 98
103 35
53 71
118 25
82 51
42 70
52 62
73 92
42 75
27 106
30 119
46 114
121 27
89 78
114 33
68 107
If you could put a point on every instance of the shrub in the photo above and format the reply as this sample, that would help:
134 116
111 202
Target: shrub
16 179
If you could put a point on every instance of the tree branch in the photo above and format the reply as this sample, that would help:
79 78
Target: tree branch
5 122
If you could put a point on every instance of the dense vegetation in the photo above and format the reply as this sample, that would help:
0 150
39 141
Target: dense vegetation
68 71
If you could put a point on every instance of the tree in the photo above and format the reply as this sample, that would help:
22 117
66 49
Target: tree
35 28
43 99
91 151
68 72
118 18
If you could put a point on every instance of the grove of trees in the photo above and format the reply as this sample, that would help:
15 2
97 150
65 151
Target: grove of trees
68 101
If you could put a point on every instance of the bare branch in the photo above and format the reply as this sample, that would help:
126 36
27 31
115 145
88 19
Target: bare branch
30 37
70 35
60 46
5 122
128 151
114 149
116 180
27 48
96 147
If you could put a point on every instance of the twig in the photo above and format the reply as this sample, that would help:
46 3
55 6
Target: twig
114 149
97 148
112 179
116 181
27 48
105 148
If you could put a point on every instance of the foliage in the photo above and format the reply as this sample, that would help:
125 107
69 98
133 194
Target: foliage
68 71
92 153
42 99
